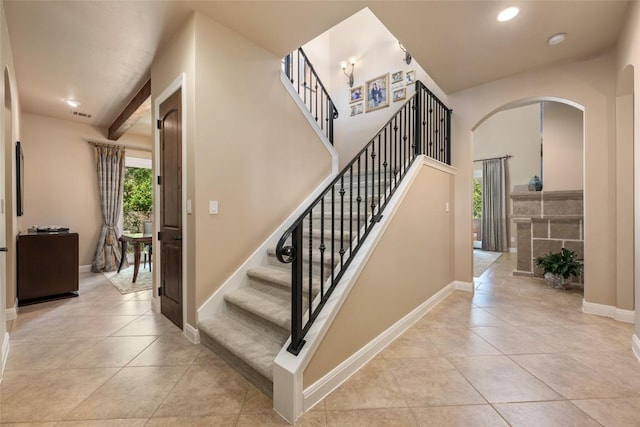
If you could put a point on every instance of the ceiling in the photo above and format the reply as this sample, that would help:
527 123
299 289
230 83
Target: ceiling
100 52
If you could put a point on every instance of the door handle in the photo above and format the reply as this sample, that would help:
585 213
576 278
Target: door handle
177 239
4 250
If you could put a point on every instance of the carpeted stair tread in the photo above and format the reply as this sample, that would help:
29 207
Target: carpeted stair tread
262 304
253 347
279 277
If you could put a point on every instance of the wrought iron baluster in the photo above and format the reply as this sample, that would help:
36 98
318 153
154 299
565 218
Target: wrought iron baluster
373 184
342 191
296 292
322 247
310 284
385 164
358 200
350 209
366 185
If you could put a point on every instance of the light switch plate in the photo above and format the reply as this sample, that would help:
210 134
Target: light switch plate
188 206
213 207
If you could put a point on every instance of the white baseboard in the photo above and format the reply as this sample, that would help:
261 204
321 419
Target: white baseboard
618 314
12 313
462 286
85 268
192 334
635 346
325 385
5 354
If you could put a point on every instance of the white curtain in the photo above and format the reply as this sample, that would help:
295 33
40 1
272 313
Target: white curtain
110 165
494 206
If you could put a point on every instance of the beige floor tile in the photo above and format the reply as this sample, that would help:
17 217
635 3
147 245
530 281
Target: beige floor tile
270 418
400 417
209 421
432 382
512 340
128 422
571 378
561 338
623 366
131 393
610 336
257 401
76 326
459 342
129 308
168 349
50 394
458 416
612 412
373 386
499 379
36 424
412 343
214 389
469 316
149 324
111 352
207 356
46 353
545 414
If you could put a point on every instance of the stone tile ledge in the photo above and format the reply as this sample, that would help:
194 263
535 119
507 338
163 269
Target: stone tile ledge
548 195
521 218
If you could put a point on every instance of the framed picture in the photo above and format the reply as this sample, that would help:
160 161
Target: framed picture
356 94
411 77
19 179
399 94
397 77
377 95
356 109
353 110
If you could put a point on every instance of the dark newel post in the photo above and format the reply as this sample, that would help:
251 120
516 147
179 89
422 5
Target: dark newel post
417 119
332 116
296 292
287 66
448 148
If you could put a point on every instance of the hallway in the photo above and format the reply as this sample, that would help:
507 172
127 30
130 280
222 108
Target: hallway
515 353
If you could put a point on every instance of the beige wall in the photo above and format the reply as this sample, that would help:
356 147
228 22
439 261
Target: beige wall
628 72
61 186
248 146
589 83
516 132
562 139
412 261
364 37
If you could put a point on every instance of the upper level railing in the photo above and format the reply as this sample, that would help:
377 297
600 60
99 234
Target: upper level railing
322 242
312 92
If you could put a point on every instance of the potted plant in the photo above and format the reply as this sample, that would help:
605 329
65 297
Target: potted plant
558 267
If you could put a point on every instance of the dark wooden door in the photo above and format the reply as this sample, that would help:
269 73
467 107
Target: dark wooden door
171 207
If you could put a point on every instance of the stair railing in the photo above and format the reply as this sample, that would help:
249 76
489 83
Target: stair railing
339 220
312 92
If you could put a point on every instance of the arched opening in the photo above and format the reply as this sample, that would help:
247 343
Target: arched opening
541 137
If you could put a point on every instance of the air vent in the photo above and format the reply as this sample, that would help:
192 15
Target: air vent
79 114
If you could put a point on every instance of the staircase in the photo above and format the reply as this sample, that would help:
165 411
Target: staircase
256 321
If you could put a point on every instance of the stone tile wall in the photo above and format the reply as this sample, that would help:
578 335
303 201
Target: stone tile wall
546 222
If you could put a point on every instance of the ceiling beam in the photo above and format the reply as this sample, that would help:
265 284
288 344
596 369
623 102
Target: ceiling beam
138 107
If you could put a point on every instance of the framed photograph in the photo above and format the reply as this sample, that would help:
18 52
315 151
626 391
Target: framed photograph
356 94
377 95
19 179
411 77
399 94
356 109
397 77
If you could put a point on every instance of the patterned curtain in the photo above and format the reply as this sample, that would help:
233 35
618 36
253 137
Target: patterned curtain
494 206
110 164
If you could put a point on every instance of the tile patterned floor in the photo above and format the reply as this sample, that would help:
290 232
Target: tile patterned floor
514 353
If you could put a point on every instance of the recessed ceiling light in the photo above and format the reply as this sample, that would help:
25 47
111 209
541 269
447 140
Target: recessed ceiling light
72 103
508 14
557 39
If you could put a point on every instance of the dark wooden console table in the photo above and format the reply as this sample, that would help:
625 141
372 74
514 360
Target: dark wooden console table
136 239
47 266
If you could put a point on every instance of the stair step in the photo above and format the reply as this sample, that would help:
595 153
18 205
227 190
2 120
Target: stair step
248 350
267 306
279 277
315 257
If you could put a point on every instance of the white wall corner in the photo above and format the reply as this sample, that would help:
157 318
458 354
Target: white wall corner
85 268
462 286
12 313
635 345
627 316
314 125
5 354
192 333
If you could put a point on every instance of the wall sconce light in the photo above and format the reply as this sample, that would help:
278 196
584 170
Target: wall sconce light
407 55
349 75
